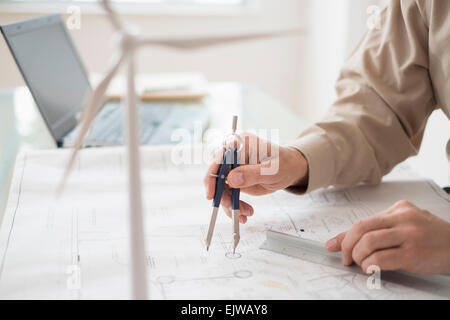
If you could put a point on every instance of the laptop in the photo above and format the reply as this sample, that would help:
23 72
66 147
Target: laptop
59 84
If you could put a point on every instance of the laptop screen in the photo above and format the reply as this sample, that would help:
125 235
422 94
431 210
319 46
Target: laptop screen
51 68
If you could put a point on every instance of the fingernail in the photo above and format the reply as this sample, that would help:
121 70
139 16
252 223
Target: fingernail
247 211
237 179
331 244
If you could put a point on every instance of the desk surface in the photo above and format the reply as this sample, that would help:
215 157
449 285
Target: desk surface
78 248
269 281
22 127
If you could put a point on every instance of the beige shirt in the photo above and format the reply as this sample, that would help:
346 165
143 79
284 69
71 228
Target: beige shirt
387 89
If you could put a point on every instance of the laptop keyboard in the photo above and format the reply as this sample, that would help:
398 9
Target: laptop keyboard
158 120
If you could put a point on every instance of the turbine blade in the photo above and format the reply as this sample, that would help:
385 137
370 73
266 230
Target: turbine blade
112 16
95 104
196 43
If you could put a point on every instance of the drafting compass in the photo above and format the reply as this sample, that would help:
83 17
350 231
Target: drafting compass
229 161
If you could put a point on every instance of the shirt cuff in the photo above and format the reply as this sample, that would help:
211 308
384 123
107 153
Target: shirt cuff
320 154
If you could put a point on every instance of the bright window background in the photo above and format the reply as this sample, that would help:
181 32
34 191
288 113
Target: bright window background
150 2
177 7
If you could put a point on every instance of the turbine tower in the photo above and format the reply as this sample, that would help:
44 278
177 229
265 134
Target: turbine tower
129 43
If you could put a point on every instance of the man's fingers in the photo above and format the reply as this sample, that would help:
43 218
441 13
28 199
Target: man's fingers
242 218
334 244
225 202
245 208
210 180
249 176
386 260
254 190
210 186
379 221
374 241
257 190
250 154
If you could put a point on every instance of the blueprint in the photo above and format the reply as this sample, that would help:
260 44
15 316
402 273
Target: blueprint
76 246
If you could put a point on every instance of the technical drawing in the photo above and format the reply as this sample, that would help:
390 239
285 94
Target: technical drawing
41 238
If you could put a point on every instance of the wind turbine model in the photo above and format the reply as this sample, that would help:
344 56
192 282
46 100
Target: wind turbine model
129 43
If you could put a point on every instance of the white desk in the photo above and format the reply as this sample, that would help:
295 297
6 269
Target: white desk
261 274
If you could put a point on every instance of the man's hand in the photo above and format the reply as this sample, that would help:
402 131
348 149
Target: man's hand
403 237
265 168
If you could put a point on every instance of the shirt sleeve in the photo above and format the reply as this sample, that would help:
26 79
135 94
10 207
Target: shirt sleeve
385 97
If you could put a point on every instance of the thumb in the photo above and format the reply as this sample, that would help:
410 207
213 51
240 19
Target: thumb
247 176
334 244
